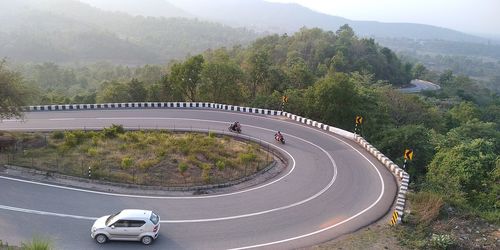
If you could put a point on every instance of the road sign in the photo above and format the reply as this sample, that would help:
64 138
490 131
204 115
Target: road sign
285 98
394 219
408 154
359 119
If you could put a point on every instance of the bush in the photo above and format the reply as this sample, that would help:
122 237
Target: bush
113 131
146 164
426 205
58 135
211 134
92 152
220 165
441 241
95 140
127 162
247 158
70 139
37 243
205 172
182 167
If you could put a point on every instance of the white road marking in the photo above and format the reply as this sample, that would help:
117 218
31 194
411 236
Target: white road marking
62 119
31 211
332 226
11 120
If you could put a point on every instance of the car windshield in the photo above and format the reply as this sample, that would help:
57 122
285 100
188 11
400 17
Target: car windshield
154 218
110 218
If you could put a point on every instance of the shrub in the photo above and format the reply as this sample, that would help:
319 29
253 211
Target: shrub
80 135
146 164
182 167
205 172
37 243
58 135
95 140
220 165
211 134
127 162
113 131
246 158
161 152
441 241
70 139
426 205
92 152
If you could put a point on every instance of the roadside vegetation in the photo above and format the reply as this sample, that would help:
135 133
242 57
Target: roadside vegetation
156 158
36 243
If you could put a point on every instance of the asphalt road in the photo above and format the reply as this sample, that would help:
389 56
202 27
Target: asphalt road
419 86
331 187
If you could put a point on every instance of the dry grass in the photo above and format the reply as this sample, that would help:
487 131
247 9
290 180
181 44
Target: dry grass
426 206
141 157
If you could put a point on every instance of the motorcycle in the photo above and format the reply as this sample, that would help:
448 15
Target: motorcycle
280 139
234 128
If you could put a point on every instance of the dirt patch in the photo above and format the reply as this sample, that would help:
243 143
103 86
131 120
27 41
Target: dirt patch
376 236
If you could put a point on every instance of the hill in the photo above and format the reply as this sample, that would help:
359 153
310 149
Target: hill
67 31
154 8
283 17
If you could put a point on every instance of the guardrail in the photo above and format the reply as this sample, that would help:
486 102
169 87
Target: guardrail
400 174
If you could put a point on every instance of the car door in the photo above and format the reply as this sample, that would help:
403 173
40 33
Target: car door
119 230
136 228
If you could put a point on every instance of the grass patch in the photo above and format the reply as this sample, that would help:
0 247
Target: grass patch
139 157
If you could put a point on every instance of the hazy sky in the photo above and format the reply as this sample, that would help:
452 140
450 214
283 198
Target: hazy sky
471 16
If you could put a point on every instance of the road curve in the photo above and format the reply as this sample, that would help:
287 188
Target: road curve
336 187
419 86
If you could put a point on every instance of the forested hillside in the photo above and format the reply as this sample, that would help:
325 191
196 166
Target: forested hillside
67 31
272 63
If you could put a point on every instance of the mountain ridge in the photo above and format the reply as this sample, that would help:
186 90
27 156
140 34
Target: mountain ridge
68 31
290 17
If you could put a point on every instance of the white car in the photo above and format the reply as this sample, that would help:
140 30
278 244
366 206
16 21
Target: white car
129 224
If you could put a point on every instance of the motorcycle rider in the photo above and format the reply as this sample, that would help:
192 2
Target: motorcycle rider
236 126
278 136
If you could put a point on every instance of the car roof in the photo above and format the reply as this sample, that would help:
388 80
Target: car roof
134 214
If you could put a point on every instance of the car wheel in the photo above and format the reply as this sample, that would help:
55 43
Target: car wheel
146 240
101 238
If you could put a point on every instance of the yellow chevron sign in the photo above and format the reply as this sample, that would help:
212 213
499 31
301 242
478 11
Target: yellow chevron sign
409 154
284 98
359 119
394 219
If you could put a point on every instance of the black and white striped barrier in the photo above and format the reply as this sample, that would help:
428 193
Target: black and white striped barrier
400 174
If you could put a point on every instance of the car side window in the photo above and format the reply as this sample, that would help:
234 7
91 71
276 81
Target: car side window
121 223
136 223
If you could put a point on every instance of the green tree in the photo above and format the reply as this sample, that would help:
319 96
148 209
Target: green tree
469 131
13 94
463 113
137 91
393 142
258 65
220 82
187 76
419 71
113 91
334 100
460 172
406 109
298 72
